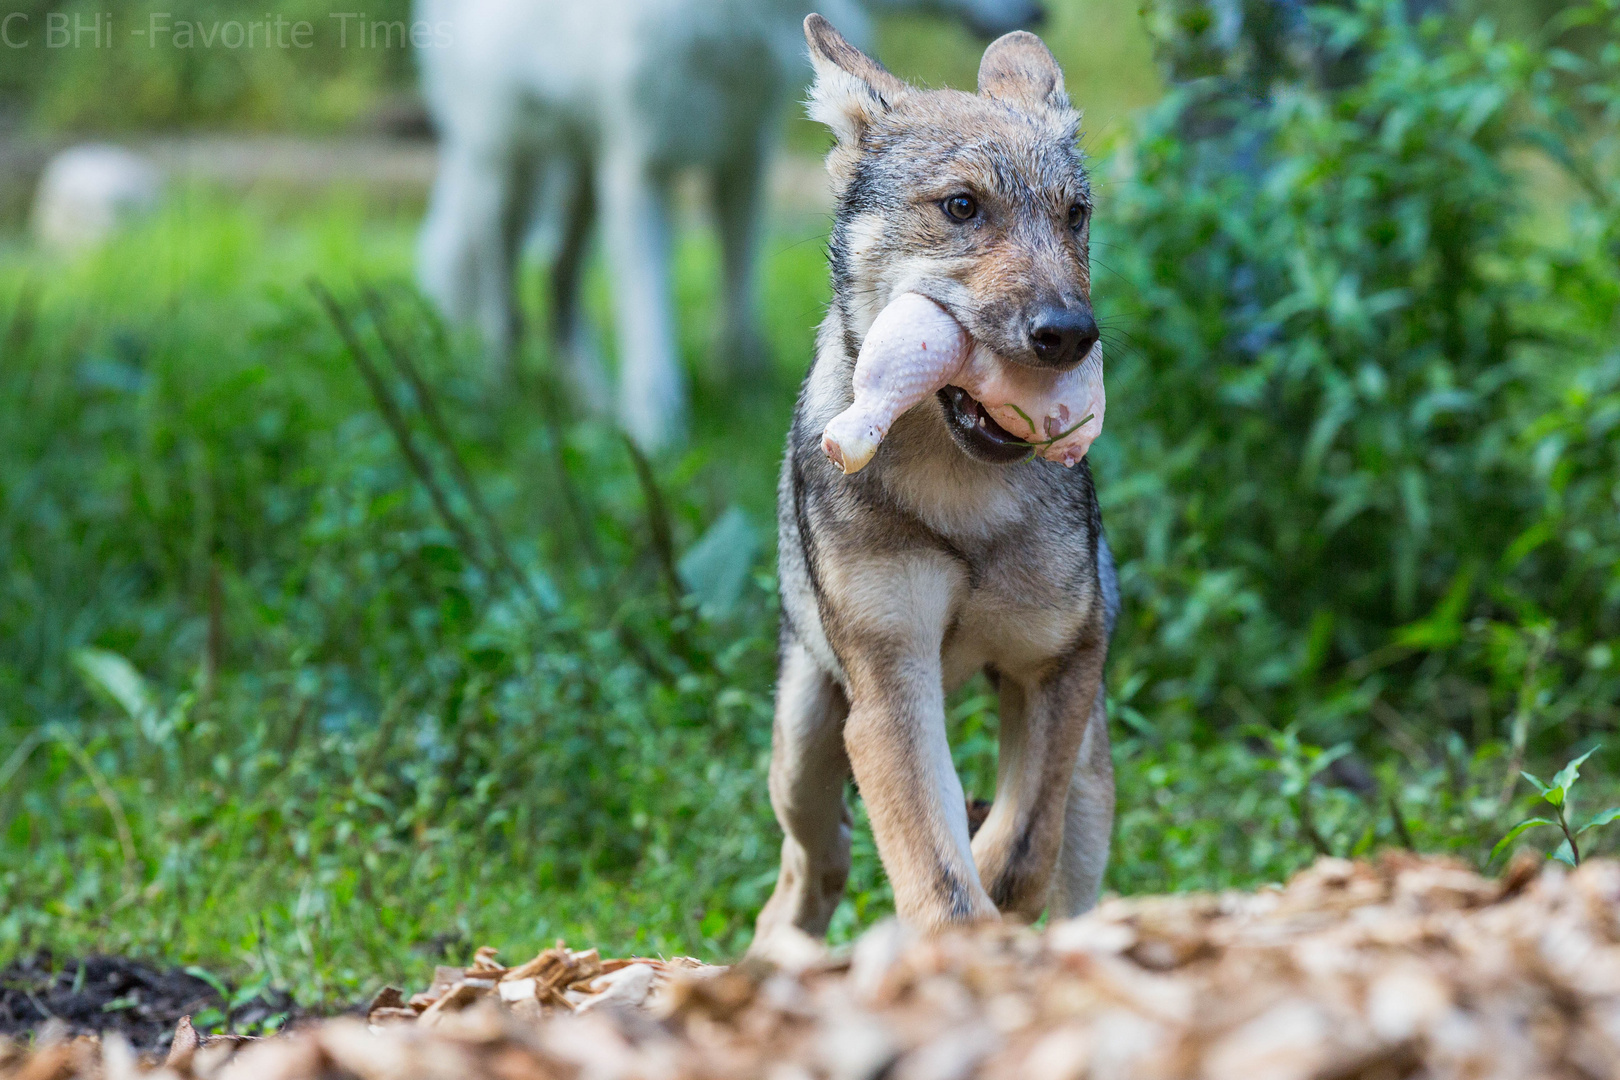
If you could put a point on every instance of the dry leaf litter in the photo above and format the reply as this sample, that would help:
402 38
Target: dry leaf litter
1406 967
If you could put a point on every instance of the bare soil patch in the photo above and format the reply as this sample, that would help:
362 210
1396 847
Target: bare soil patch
141 1002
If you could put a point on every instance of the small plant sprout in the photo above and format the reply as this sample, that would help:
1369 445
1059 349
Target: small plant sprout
1557 795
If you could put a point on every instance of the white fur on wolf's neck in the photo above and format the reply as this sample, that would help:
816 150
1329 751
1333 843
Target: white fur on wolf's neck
1059 413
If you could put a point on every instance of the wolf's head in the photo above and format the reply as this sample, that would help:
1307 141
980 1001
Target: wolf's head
978 201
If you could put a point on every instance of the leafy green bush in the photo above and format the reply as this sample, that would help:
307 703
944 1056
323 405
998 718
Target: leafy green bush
1362 457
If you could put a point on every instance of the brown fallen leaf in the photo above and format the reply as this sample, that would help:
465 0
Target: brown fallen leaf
458 997
391 1016
183 1047
389 997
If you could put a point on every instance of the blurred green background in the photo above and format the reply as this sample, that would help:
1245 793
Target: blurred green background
261 709
133 88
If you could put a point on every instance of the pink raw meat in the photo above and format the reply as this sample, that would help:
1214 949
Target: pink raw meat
915 348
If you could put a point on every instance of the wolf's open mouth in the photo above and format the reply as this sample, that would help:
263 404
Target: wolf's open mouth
976 432
964 403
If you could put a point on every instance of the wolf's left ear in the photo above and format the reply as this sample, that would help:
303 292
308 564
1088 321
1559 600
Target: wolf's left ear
1020 70
851 92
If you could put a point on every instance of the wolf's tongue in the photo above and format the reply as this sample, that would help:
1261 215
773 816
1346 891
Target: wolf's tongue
915 348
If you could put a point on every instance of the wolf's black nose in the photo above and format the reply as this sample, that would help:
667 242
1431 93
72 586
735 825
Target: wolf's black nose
1062 336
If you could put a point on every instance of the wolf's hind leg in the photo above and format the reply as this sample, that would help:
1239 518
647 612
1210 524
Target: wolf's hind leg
1088 821
808 771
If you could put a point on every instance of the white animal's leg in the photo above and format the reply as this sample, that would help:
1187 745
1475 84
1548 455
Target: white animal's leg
444 246
635 218
737 200
468 248
571 339
1088 821
808 772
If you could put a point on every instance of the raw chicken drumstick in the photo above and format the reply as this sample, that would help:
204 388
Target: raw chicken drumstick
915 348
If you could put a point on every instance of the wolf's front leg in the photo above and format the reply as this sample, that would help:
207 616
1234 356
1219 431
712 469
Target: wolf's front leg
1044 792
894 613
808 773
1088 821
571 182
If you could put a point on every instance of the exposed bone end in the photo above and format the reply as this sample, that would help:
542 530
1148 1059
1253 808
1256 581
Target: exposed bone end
850 444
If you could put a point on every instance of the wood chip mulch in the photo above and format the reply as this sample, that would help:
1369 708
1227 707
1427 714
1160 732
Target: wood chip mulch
1404 967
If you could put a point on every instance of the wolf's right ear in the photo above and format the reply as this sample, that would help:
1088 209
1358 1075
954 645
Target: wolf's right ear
1019 69
851 92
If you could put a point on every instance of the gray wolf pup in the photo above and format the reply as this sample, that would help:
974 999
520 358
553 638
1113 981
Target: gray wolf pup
956 550
589 109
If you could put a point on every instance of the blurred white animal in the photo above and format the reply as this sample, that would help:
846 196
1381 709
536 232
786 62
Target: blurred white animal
86 192
596 105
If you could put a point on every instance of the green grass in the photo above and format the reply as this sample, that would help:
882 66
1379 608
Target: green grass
197 480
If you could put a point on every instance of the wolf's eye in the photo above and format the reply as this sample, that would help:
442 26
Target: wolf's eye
960 207
1077 215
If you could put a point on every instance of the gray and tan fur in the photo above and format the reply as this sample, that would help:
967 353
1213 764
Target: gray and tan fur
952 553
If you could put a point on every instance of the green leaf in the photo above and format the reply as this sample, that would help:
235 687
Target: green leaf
1603 818
117 678
715 569
1326 758
1565 854
248 991
1444 625
1541 788
212 980
1572 772
208 1020
1515 832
